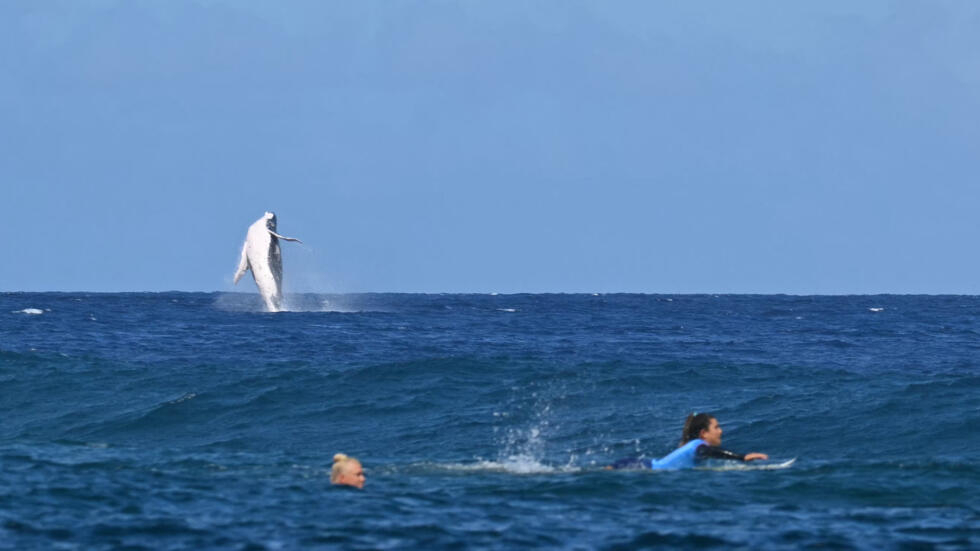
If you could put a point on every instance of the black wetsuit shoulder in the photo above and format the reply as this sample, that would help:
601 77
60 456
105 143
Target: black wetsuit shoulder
705 451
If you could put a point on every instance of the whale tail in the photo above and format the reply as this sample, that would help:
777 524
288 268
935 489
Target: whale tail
242 264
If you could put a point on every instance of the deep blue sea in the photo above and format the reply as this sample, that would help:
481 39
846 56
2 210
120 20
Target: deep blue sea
196 421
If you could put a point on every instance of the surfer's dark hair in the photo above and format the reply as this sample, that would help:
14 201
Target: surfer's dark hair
693 425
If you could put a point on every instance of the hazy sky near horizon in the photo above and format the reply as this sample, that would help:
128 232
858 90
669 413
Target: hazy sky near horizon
543 146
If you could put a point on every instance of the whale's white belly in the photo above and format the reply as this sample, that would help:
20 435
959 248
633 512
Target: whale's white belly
261 255
265 261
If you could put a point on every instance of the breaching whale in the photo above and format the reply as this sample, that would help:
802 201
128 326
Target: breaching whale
261 254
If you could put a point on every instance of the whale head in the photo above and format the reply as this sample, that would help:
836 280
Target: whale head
270 220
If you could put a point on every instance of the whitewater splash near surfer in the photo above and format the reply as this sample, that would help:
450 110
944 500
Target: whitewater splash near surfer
262 255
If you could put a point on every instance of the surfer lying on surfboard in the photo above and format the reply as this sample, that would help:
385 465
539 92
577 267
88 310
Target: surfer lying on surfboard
700 440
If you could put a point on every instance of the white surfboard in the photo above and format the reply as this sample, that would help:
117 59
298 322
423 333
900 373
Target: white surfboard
751 466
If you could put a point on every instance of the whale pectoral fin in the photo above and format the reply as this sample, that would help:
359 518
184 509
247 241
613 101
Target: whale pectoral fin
284 238
241 271
242 264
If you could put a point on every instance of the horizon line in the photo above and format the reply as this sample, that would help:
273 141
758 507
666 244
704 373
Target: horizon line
511 293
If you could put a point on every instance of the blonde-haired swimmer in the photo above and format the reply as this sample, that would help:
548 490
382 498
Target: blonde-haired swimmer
347 471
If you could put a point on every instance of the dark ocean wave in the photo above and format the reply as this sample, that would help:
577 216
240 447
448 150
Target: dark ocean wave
193 420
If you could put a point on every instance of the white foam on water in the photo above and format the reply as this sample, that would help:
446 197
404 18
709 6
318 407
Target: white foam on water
29 311
506 309
522 449
314 303
327 306
517 464
527 444
184 398
251 302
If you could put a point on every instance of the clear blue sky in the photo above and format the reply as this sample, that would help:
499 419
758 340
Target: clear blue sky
567 146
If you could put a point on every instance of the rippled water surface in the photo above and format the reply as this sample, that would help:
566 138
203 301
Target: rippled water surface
196 421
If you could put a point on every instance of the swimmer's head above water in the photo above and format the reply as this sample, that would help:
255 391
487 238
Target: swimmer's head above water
703 426
347 471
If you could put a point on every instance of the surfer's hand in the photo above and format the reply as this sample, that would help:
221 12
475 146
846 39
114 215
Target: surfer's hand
754 456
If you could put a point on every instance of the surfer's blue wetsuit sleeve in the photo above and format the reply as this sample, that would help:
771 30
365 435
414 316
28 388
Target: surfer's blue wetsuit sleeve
705 451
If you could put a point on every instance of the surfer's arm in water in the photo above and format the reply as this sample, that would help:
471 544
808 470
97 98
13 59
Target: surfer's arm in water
715 452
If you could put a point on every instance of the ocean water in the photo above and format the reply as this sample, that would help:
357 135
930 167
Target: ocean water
196 421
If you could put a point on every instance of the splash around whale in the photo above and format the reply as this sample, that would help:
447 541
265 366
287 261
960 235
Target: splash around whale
261 254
